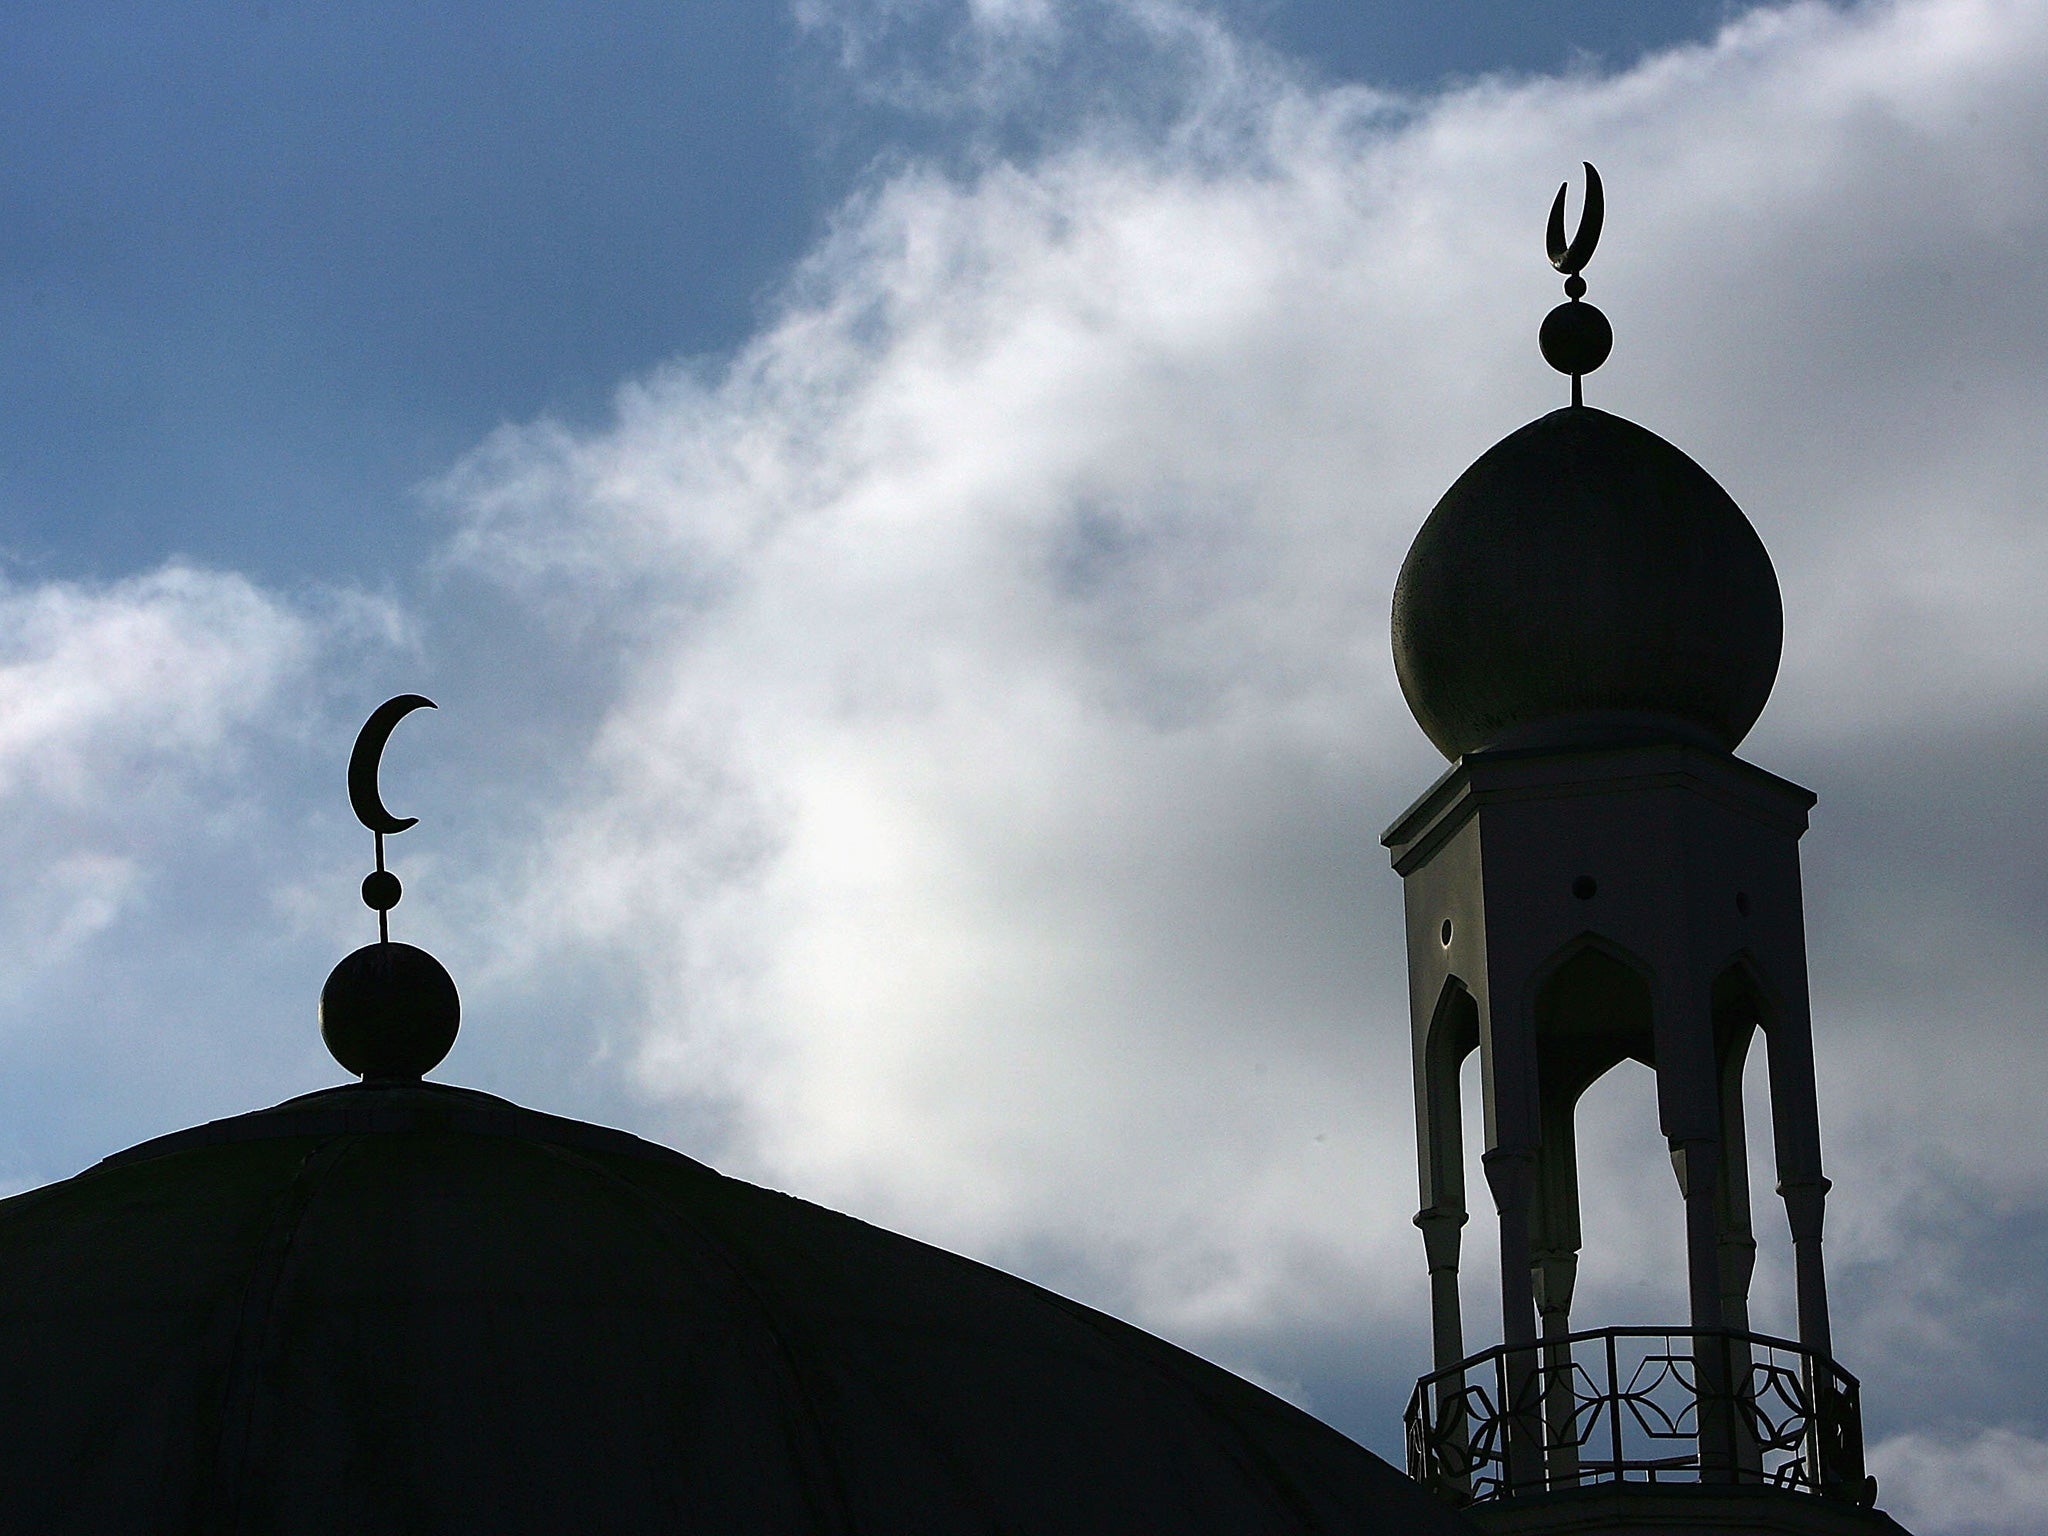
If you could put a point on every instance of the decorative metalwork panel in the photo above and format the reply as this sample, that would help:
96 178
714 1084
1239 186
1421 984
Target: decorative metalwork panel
1639 1405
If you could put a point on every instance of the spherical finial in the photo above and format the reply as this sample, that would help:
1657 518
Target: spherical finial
1576 337
389 1011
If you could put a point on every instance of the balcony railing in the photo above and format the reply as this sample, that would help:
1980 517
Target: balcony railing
1639 1405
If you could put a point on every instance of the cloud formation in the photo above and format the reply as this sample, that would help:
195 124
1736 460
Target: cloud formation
120 704
996 717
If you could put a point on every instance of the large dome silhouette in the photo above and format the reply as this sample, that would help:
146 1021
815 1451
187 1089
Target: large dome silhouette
1585 580
414 1308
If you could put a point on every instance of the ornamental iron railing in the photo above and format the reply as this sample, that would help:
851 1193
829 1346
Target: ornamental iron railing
1639 1405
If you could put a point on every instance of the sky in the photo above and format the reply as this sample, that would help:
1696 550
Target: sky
897 501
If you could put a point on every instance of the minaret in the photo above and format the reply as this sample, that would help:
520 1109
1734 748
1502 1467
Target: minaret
1587 626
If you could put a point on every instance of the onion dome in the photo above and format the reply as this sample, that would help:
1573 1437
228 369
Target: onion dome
1585 581
399 1307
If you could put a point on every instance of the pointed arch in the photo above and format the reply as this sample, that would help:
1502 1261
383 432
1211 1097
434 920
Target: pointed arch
1452 1035
1593 1004
1741 1005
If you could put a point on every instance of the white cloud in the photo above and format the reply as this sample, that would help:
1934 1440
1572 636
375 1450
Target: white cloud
122 706
131 676
983 797
1991 1483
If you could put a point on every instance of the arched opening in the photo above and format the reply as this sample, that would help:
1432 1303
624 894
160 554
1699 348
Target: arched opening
1773 1294
1634 1270
1596 1059
1453 1038
1592 1012
1482 1248
1749 1206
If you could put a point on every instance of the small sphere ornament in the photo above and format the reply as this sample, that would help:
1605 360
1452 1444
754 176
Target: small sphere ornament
1575 338
389 1011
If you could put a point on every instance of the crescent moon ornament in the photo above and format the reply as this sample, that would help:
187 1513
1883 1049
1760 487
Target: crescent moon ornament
1571 259
1576 337
368 756
389 1011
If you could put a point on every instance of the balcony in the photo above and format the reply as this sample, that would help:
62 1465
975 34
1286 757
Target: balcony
1652 1407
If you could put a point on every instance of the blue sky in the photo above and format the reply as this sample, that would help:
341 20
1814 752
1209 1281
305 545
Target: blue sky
267 266
897 501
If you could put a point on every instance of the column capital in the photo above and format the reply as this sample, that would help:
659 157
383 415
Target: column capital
1805 1200
1697 1162
1511 1175
1441 1227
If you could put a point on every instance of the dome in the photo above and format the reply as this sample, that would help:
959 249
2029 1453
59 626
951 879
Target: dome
398 1307
1585 581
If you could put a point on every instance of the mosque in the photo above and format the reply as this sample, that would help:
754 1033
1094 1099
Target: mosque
401 1306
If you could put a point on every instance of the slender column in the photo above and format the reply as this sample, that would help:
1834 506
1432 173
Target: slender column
1738 1263
1511 1175
1698 1165
1555 1274
1805 1207
1442 1235
1795 1117
1737 1251
1737 1242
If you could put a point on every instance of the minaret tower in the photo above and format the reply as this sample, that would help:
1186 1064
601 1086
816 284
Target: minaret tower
1587 626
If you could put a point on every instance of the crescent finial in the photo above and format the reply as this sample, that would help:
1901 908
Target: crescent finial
389 1012
381 889
1576 337
1571 259
368 756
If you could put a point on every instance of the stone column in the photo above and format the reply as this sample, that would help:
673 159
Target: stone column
1511 1175
1555 1274
1805 1208
1442 1236
1697 1162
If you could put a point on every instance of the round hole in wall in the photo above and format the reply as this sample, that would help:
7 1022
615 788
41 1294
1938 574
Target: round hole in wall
1742 903
1445 933
1585 887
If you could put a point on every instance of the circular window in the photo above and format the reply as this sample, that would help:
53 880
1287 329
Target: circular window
1445 933
1742 903
1585 887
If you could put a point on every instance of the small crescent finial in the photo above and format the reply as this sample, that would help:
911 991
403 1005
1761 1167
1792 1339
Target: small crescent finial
389 1012
368 756
1576 337
1571 259
381 889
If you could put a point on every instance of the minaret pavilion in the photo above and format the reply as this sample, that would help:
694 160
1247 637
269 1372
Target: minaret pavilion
1587 626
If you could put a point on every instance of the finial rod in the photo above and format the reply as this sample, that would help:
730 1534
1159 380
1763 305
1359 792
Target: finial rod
381 890
389 1012
1576 337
